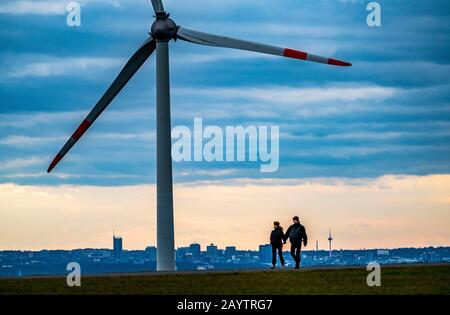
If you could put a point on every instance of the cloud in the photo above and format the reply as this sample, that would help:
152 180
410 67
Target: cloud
368 135
212 173
388 113
345 151
66 176
229 102
296 95
21 163
30 119
33 7
15 140
27 141
57 66
44 7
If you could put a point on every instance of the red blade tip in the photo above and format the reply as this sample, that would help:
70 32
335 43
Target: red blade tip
54 162
336 62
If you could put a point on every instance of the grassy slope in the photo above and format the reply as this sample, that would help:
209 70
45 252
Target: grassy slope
395 280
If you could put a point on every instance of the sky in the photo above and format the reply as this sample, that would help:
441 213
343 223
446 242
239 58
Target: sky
364 150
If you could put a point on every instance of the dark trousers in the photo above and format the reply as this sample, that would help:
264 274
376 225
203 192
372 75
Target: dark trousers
275 249
296 249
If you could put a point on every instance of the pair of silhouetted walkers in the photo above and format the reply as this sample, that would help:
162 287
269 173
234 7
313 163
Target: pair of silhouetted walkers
296 234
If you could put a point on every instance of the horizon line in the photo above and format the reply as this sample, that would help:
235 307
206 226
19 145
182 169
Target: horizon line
303 250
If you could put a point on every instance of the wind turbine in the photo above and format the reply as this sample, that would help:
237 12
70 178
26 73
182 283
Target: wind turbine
164 30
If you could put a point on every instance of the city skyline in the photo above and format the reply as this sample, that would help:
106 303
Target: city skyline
117 260
117 246
194 256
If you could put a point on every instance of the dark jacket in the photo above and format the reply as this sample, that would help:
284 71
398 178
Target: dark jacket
296 234
276 237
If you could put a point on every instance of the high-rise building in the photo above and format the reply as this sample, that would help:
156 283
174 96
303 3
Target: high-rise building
150 253
181 252
117 248
188 258
195 250
265 253
211 250
230 251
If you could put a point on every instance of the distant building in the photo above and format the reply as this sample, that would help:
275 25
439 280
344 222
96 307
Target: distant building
368 255
195 249
188 258
182 251
383 252
150 253
211 250
117 248
230 251
265 253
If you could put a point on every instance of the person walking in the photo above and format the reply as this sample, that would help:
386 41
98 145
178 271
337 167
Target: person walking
296 234
276 240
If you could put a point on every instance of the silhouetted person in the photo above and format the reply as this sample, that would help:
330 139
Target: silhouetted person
276 240
296 234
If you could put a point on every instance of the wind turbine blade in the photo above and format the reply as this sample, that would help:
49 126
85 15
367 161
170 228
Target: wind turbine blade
158 6
132 66
228 42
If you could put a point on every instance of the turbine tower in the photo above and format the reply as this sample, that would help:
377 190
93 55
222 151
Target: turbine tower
163 30
330 239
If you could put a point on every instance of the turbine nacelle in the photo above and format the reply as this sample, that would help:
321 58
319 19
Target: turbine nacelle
164 28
